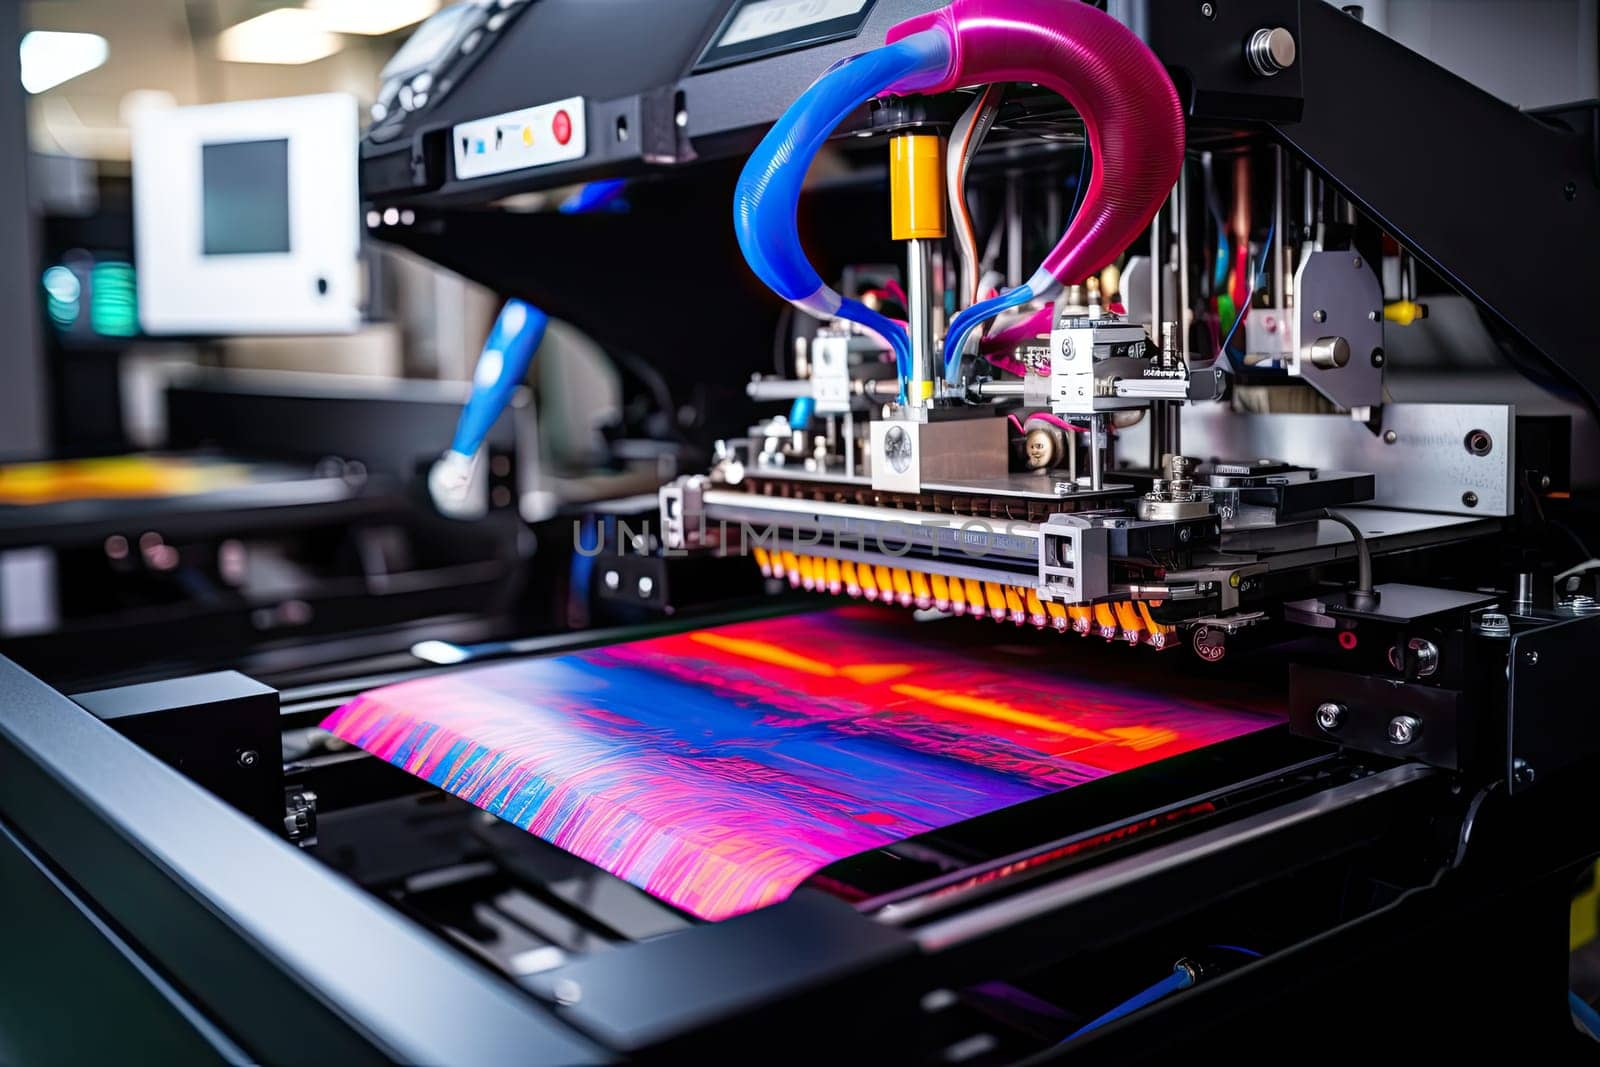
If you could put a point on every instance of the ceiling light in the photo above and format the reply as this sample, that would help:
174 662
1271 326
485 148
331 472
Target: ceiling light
370 17
50 58
288 36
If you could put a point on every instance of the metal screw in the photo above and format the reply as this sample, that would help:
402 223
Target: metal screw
1403 729
1183 534
1358 262
1330 716
647 586
1479 443
1531 657
1521 771
1319 315
1469 498
248 757
1390 437
1208 11
897 449
613 580
1373 316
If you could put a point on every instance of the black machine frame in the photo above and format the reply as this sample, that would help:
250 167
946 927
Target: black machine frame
1418 179
240 932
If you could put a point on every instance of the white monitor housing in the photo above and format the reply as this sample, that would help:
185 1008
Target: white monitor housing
247 217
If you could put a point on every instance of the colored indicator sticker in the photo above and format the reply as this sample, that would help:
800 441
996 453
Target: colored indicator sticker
561 126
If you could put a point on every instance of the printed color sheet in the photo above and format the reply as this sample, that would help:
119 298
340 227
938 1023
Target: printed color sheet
718 769
133 477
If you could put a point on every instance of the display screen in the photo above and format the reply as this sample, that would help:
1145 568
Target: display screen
756 28
245 194
431 38
767 18
719 769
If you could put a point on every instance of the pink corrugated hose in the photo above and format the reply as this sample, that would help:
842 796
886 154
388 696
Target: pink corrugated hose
1129 107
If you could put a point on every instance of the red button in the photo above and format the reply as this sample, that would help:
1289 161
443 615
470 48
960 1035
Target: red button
561 125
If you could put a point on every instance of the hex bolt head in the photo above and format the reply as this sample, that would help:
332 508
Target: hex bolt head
1330 716
248 757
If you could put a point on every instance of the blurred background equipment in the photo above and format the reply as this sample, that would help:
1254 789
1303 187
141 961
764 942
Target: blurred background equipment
195 261
246 217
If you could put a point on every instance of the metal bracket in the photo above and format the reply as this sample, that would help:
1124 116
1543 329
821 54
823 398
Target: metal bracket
1073 561
683 511
1338 329
830 373
1550 723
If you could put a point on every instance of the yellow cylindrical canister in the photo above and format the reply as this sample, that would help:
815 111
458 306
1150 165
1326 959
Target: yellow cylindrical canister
916 186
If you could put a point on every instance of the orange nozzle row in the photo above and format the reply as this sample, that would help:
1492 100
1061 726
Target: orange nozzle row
1126 620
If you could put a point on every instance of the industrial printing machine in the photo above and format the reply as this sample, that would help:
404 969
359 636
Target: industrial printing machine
1207 474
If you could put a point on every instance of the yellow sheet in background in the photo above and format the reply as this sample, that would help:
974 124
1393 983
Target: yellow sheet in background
135 477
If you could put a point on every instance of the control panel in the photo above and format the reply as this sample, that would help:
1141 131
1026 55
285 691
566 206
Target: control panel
517 140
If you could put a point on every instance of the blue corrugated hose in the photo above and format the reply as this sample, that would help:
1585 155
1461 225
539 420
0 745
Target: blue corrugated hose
768 193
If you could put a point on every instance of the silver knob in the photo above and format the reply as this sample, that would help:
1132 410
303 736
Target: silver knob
1330 353
1577 604
1425 651
1330 716
1494 624
1271 49
1404 729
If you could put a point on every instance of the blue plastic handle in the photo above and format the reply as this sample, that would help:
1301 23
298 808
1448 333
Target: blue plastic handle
502 365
